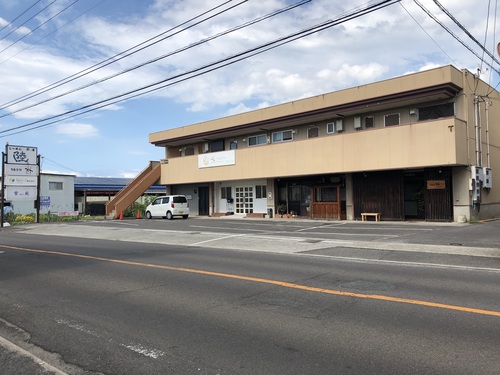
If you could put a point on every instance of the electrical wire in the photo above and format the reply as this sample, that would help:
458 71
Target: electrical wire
29 19
429 35
185 48
19 16
483 48
453 35
197 71
117 57
54 31
42 24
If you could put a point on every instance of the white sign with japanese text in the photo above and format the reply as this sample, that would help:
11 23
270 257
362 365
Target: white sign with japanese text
21 181
21 170
216 159
20 193
21 155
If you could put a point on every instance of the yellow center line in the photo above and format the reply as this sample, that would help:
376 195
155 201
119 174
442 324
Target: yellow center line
268 281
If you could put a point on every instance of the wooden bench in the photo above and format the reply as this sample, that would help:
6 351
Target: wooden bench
376 215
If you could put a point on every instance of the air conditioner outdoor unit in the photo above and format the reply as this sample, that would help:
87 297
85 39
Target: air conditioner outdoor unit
357 122
339 125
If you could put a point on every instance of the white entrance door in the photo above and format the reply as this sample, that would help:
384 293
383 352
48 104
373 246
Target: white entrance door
244 200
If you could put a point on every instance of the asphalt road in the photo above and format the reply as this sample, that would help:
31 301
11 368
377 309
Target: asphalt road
249 297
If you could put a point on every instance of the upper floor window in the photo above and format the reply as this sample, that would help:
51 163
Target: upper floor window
233 145
282 136
330 128
55 185
369 123
313 132
256 140
392 119
217 145
189 150
436 111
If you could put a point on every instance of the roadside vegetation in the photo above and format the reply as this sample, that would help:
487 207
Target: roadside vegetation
134 210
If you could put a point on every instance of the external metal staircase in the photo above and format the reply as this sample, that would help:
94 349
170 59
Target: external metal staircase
130 193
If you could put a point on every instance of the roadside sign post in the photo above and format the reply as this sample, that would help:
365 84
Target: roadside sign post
20 177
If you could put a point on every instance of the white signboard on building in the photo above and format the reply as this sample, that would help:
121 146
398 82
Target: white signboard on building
21 170
21 181
216 159
20 193
21 155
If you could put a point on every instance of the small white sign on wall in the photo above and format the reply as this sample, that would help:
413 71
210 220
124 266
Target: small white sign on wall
216 159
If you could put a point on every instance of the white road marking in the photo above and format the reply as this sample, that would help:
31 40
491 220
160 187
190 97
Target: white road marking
138 348
403 263
216 239
147 352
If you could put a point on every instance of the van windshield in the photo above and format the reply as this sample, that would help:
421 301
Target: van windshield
180 199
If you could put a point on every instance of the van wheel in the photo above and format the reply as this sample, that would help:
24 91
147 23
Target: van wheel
185 217
148 215
169 215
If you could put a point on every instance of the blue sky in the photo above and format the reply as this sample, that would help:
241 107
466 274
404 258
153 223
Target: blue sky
70 36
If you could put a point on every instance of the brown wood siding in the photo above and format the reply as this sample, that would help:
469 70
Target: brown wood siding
438 202
325 211
379 192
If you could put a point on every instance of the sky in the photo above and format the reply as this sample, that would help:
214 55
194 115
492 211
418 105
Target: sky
87 81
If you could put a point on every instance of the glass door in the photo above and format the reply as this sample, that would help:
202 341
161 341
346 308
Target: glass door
244 200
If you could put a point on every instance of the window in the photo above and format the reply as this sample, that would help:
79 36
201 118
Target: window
233 145
330 128
179 199
256 140
189 150
225 192
325 194
313 132
368 122
217 145
436 111
392 119
283 136
260 191
55 185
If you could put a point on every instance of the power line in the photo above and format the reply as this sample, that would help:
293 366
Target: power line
425 31
467 31
452 34
203 41
42 24
29 19
117 57
19 16
197 71
54 31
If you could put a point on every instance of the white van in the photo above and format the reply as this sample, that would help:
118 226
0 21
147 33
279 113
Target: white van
168 206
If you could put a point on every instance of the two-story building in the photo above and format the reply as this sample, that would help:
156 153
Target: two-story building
421 146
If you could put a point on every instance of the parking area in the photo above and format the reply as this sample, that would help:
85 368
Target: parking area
289 236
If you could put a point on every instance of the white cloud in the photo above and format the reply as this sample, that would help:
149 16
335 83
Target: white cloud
76 130
380 45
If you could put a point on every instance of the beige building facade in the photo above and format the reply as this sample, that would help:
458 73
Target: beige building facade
423 146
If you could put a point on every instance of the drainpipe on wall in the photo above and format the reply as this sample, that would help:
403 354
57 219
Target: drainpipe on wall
487 104
477 128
